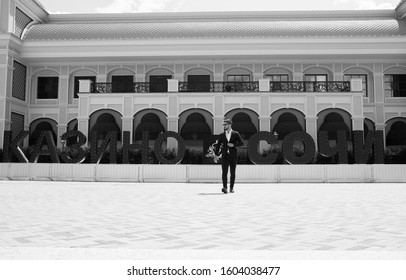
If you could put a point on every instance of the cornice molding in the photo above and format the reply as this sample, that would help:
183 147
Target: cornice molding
33 9
209 16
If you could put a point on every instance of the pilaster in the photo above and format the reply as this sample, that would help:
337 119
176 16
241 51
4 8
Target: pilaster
6 81
173 124
311 127
218 124
83 126
128 125
62 128
358 123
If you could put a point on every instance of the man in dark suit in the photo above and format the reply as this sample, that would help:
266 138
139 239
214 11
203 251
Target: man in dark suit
228 142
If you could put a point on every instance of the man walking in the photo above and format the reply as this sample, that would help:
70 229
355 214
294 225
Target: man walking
228 142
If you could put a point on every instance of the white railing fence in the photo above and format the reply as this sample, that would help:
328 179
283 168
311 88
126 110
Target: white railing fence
202 173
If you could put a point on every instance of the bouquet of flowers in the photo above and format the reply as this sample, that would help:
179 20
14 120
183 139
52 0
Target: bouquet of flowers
211 152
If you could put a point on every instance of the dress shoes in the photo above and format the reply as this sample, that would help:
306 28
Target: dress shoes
224 190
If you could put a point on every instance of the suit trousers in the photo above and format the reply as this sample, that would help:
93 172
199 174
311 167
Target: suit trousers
232 163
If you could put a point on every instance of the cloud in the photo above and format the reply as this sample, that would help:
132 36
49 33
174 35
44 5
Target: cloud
133 6
372 5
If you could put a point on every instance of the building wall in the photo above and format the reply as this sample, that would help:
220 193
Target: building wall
376 106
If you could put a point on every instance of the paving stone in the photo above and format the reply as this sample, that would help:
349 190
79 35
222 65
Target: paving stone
263 217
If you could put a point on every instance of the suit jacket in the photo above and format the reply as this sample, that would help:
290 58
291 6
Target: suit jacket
222 142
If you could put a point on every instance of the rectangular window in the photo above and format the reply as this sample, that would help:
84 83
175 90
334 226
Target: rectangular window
19 80
238 78
278 82
278 78
364 81
47 87
122 83
17 124
316 83
77 78
395 85
159 83
198 83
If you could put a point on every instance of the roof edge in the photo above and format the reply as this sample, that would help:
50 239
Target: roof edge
401 10
224 16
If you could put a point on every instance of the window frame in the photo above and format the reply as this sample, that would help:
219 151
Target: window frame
389 86
45 95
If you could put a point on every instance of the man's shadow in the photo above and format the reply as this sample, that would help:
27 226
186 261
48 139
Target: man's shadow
211 193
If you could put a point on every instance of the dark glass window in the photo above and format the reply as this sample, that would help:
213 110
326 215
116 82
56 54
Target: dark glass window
395 85
47 87
122 83
316 78
359 76
238 78
158 83
278 77
278 82
77 78
319 82
198 83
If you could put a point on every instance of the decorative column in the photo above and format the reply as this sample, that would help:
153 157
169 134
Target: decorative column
62 128
178 76
382 127
264 125
297 74
7 9
172 143
218 77
379 99
258 76
338 74
6 81
311 128
63 105
218 125
128 125
140 78
83 126
358 112
83 116
311 117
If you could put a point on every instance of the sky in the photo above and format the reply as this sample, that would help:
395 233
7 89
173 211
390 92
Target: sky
144 6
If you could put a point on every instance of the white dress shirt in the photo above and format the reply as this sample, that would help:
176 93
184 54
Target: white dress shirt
228 135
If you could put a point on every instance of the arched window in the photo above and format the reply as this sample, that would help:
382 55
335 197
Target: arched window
195 127
38 126
396 134
287 123
334 122
151 123
243 124
105 123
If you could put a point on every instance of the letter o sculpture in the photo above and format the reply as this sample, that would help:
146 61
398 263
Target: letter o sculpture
252 148
309 148
158 145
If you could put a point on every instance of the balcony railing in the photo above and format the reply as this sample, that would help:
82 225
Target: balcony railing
310 87
144 87
120 87
219 87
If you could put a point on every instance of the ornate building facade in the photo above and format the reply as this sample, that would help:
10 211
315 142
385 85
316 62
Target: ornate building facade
185 72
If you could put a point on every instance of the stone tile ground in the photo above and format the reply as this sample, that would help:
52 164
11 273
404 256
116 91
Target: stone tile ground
172 218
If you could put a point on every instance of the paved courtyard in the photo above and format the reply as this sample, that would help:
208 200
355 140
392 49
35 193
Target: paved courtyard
48 219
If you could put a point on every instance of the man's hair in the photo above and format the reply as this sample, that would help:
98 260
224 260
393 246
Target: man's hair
227 121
